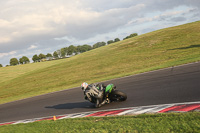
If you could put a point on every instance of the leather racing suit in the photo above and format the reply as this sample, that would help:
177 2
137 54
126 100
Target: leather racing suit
94 93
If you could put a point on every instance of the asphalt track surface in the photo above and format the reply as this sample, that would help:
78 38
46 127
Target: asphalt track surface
171 85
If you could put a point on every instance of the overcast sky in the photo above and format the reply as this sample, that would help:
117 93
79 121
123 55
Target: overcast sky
29 27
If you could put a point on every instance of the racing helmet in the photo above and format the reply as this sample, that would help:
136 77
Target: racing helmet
84 85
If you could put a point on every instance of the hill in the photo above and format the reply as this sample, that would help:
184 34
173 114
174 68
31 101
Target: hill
151 51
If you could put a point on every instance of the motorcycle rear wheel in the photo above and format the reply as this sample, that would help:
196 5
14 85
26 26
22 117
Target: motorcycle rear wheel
118 96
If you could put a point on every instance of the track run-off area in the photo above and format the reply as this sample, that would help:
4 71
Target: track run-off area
158 91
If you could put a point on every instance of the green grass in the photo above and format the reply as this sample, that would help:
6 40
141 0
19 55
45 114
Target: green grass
12 72
155 123
159 49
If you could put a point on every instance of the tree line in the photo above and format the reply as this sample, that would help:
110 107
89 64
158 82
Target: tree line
65 52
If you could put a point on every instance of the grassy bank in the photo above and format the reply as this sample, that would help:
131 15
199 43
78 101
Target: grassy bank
158 123
155 50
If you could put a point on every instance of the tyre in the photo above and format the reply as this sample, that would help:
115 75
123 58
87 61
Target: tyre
118 96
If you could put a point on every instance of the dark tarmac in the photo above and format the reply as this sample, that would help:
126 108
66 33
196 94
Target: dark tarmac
170 85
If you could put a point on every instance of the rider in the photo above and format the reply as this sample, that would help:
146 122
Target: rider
96 91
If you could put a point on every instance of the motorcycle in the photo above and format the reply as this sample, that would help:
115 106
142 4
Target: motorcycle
111 94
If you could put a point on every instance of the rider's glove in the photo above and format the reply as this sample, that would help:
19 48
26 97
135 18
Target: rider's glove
86 98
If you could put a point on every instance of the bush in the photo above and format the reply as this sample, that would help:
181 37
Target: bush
131 35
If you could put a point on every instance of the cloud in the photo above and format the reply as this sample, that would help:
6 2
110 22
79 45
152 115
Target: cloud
30 24
33 20
173 16
7 54
32 47
178 19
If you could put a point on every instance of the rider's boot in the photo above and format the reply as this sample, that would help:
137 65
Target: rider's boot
97 105
107 100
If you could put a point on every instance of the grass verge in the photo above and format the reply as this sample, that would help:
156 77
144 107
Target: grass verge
156 123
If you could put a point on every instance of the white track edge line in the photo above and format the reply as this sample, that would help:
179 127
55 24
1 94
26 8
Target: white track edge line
91 112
